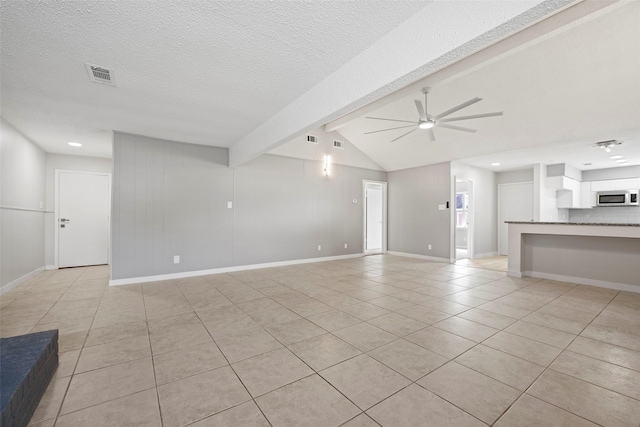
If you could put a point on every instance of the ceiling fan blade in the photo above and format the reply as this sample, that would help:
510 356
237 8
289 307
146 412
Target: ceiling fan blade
403 135
457 108
458 128
391 120
475 116
432 136
384 130
421 113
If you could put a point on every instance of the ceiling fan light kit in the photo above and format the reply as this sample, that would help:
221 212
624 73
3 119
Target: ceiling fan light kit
428 122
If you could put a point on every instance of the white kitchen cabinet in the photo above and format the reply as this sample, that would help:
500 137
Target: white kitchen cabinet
570 195
587 197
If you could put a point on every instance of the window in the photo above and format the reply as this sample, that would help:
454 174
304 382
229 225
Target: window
462 209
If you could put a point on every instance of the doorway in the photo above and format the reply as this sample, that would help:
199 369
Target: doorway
463 219
375 217
82 215
515 203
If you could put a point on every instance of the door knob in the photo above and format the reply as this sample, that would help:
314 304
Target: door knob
65 220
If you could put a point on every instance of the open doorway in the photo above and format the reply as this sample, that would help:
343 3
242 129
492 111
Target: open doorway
375 217
463 204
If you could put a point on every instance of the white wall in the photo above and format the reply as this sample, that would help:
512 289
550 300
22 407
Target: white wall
350 155
485 206
520 175
22 196
64 162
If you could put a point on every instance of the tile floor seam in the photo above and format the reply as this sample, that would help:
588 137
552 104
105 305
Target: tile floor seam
73 373
153 366
252 398
548 367
446 400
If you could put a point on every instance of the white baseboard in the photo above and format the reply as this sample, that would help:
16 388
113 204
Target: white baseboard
514 274
583 281
427 258
485 255
9 286
51 267
145 279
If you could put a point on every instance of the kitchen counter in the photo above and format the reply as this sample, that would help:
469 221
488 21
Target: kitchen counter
606 255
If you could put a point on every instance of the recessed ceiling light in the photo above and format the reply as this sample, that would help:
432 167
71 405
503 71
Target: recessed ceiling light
75 144
624 164
495 164
587 164
617 156
621 161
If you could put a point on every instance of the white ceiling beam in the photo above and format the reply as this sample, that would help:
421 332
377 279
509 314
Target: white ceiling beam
442 33
517 42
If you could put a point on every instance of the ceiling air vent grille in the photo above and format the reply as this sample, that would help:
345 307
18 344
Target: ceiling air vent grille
101 75
338 144
312 139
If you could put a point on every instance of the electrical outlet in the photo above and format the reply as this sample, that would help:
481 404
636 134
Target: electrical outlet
429 247
345 246
176 259
319 247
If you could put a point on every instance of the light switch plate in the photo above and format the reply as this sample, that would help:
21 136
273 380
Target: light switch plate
229 205
441 207
176 259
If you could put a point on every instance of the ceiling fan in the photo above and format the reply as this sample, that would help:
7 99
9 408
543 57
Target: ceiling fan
427 121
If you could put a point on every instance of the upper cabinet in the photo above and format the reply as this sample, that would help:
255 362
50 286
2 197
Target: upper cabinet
573 194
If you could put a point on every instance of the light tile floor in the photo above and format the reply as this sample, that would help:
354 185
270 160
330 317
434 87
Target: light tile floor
379 340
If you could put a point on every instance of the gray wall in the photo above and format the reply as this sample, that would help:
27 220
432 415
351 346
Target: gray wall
170 198
63 162
601 258
22 193
414 220
484 206
611 173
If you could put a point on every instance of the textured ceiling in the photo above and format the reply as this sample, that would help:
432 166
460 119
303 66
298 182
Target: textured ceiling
560 94
201 72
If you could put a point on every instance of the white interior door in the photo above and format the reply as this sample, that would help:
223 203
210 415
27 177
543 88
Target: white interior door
375 209
374 218
515 203
83 211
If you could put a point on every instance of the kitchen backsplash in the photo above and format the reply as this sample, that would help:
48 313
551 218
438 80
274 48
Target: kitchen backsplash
613 215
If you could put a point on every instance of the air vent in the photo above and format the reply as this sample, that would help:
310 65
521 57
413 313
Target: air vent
338 144
101 75
312 139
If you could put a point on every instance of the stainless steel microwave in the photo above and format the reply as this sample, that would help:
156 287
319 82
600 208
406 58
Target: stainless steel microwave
618 198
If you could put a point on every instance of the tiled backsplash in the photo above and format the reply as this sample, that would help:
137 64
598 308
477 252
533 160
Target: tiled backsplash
615 215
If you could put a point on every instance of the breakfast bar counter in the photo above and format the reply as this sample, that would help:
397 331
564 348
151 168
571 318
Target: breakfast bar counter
599 254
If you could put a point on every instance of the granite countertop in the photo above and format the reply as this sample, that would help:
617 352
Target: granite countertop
631 224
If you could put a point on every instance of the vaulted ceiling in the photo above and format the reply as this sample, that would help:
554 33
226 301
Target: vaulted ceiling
560 93
253 76
247 75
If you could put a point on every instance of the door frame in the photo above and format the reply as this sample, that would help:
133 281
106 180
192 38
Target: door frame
470 218
499 213
383 250
56 214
